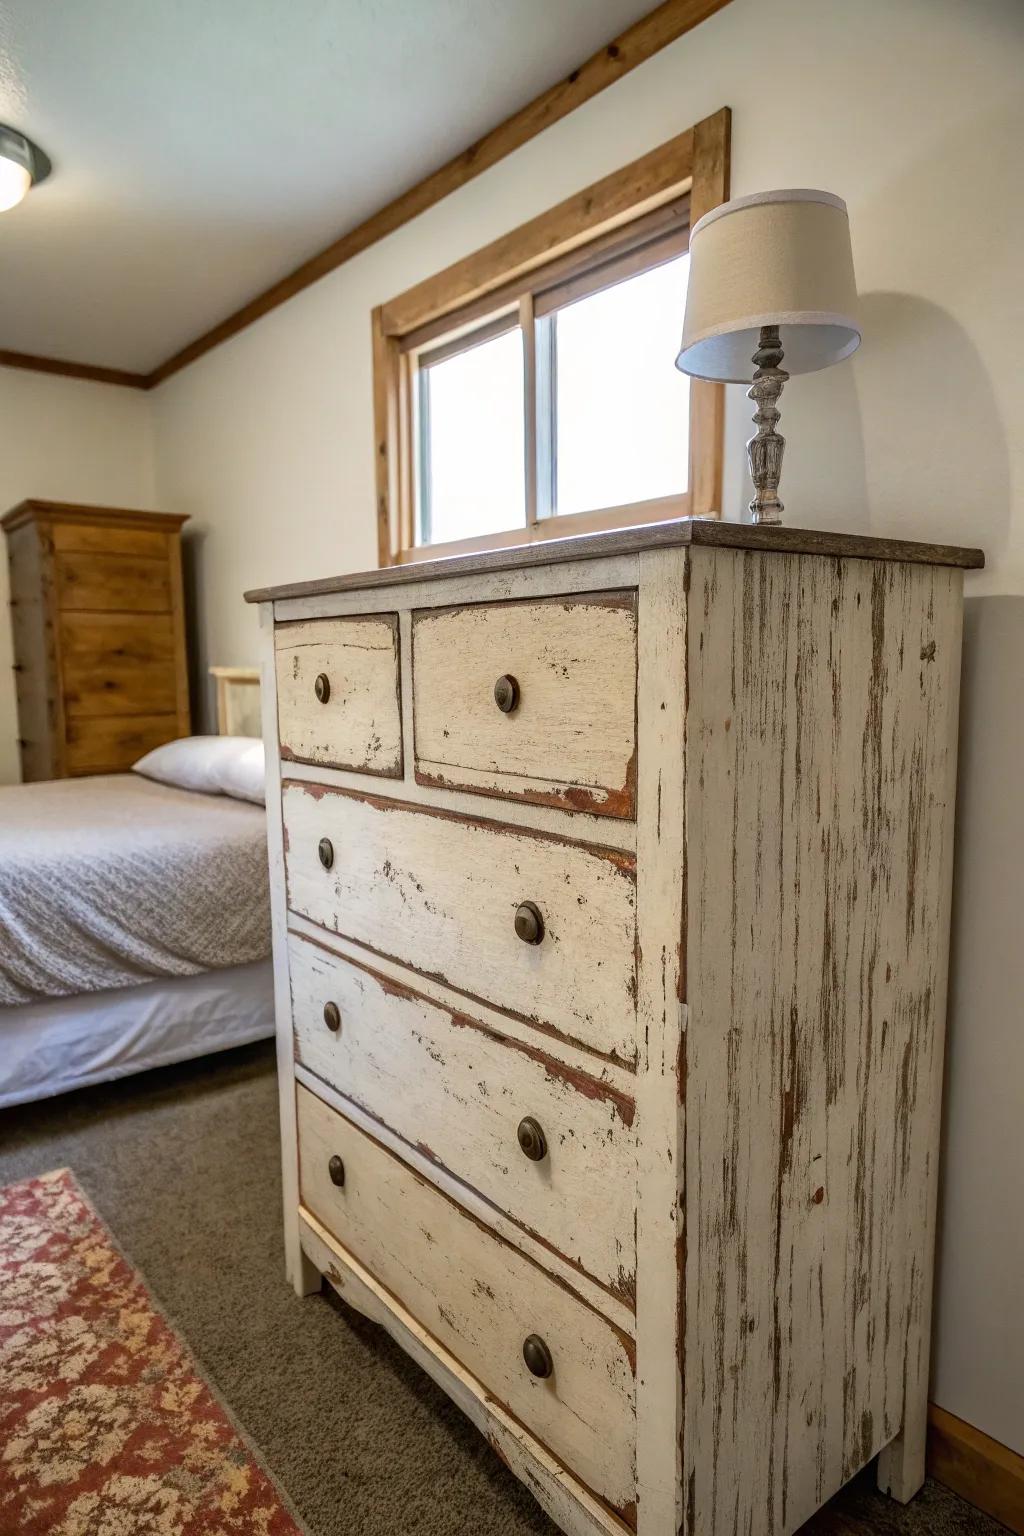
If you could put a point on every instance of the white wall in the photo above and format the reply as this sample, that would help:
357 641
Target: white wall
63 440
915 114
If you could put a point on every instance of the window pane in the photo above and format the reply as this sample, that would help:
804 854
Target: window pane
471 425
622 407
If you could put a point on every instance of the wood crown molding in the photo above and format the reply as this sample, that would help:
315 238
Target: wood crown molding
34 364
634 46
35 510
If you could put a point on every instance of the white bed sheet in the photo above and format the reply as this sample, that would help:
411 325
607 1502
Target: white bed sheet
51 1047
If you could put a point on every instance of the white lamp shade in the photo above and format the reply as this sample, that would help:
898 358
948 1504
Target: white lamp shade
777 258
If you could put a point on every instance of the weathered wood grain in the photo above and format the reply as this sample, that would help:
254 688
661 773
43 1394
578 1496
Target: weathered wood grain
480 1299
439 892
359 725
821 738
457 1091
118 663
571 739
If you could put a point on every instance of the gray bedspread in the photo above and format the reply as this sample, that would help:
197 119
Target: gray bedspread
115 880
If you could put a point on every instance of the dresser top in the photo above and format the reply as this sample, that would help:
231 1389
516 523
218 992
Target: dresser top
589 546
35 510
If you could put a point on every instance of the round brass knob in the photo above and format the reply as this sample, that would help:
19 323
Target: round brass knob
532 1140
506 693
529 923
326 852
332 1016
336 1169
322 687
537 1356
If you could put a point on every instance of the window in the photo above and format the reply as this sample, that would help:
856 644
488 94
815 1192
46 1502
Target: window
531 392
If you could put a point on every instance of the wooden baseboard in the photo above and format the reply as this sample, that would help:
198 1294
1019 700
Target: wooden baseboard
981 1470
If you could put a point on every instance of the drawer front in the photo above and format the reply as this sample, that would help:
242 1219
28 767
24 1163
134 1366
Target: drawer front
112 583
354 719
480 1299
108 539
114 743
570 738
440 892
118 663
458 1091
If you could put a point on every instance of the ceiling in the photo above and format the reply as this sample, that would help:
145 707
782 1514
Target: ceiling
203 150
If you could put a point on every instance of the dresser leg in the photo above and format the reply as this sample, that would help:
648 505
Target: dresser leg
304 1276
901 1462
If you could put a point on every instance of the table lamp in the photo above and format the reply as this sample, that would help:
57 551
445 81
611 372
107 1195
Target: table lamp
771 276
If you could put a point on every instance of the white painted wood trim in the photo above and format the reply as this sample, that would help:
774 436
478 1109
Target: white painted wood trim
448 591
565 1500
300 1273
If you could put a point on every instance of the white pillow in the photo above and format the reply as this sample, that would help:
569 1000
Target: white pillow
213 765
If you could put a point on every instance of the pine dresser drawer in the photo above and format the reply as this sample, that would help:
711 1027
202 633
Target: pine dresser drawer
339 695
479 1297
442 893
530 700
474 1102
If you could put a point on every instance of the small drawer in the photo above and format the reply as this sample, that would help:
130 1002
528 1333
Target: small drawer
551 1147
88 581
111 539
530 700
338 693
542 927
480 1298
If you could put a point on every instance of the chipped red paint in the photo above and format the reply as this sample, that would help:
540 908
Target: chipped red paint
620 860
628 1064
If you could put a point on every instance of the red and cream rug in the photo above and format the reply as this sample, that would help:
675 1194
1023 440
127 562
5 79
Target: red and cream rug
106 1428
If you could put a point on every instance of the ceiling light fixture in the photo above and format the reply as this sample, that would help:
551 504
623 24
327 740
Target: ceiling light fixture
22 165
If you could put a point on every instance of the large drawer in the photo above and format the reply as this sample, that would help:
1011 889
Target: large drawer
338 694
111 744
480 1298
459 1092
88 580
118 664
440 893
569 738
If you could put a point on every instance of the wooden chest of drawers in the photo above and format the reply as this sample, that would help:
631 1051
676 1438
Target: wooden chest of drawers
99 636
611 888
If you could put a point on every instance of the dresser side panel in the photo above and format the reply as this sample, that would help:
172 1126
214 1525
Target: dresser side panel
821 743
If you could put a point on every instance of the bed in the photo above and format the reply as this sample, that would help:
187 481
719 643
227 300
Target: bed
134 922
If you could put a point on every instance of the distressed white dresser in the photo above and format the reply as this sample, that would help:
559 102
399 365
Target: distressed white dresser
611 884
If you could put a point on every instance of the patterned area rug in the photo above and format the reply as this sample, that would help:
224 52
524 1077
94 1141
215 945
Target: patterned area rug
106 1429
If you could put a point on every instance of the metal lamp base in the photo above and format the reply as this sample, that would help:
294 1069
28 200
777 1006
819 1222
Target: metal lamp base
765 448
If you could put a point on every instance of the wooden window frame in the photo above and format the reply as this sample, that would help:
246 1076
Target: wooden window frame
619 219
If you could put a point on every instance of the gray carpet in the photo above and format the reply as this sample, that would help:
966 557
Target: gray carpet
183 1165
